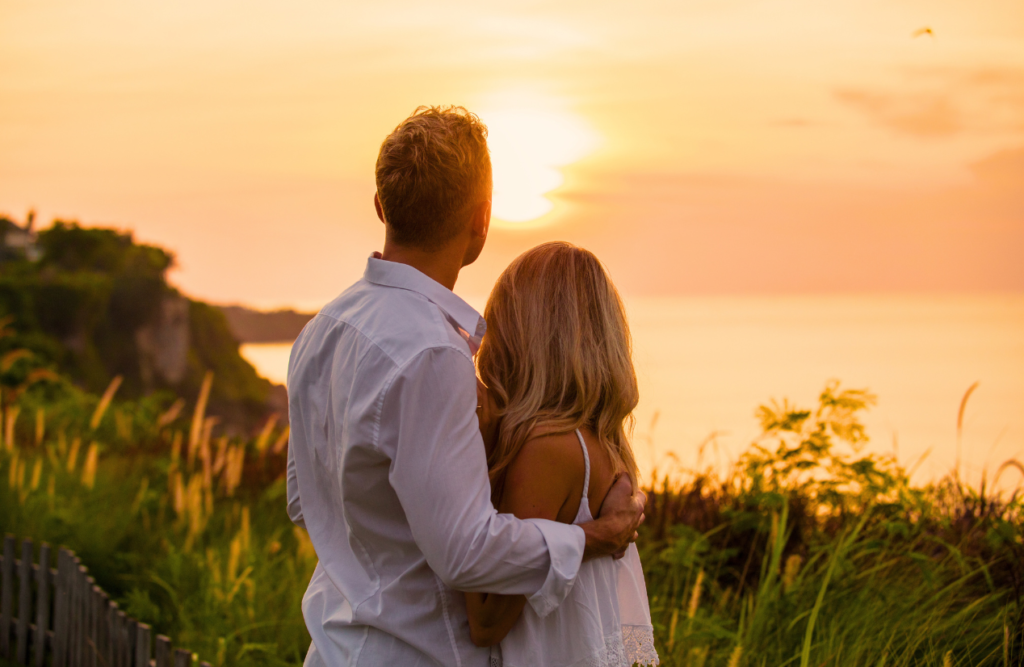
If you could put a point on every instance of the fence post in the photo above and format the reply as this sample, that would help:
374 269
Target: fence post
125 658
77 625
24 600
163 651
142 646
60 611
182 657
99 605
132 627
42 605
115 636
7 598
42 575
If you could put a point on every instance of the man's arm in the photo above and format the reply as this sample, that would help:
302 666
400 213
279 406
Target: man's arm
294 504
429 428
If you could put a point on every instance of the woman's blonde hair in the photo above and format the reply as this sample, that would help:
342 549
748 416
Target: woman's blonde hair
558 355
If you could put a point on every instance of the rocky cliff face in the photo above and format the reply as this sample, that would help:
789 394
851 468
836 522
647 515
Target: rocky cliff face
163 343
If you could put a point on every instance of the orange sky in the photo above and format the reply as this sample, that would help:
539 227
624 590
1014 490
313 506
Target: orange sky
727 146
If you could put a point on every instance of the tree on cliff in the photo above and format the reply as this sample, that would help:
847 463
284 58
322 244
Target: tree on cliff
97 304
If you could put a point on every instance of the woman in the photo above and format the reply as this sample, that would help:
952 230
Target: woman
557 396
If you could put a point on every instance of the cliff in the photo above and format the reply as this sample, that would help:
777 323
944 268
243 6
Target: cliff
96 305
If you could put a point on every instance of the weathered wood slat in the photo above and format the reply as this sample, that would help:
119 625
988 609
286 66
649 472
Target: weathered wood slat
73 613
142 645
42 605
102 624
132 637
125 652
77 629
7 597
70 659
163 651
92 623
182 657
83 614
24 601
60 612
112 644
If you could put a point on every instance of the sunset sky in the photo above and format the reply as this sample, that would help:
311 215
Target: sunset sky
698 147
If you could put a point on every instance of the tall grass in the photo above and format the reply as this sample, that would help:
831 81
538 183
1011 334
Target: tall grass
809 553
806 553
186 529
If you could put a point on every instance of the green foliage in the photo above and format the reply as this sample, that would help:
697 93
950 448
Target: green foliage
72 248
810 553
240 394
807 553
80 310
188 535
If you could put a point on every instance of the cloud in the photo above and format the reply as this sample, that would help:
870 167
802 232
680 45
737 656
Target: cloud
926 115
937 102
1003 170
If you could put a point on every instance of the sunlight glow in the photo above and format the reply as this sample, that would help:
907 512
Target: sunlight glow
528 148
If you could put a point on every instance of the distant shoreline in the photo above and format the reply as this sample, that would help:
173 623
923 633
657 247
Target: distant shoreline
256 326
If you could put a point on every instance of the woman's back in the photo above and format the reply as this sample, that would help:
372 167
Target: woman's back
604 621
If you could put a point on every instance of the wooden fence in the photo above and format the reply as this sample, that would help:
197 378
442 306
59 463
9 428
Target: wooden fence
64 620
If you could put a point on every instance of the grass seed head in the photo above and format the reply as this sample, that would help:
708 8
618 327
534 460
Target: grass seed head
89 469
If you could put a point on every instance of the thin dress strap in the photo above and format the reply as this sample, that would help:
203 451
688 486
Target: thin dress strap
584 511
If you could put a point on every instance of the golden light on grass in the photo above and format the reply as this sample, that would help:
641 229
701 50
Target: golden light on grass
89 469
104 403
531 142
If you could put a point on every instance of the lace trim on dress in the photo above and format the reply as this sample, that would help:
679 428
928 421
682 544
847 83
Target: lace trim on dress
633 646
639 643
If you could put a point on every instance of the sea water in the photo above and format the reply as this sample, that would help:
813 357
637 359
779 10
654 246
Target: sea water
704 364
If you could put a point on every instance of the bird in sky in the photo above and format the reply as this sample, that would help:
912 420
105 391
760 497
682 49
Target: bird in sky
923 31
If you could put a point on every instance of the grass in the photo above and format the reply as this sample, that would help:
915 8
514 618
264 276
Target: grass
805 553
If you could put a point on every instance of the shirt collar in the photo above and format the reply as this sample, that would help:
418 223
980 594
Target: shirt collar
469 323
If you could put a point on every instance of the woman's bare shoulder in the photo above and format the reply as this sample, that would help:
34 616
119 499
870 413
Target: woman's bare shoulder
562 448
549 471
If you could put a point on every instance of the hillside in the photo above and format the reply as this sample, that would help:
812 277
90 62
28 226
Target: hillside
95 304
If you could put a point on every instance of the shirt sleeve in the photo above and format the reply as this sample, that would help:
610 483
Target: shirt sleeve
294 504
439 472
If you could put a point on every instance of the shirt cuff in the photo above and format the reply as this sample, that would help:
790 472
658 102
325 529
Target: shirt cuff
565 545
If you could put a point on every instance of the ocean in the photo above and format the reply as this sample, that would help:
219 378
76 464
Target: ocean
705 363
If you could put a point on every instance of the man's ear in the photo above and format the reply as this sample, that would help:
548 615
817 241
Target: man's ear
481 220
376 205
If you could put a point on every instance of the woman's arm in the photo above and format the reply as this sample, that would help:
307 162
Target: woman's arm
539 485
491 616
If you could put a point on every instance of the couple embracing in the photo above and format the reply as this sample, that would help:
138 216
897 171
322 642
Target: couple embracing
465 522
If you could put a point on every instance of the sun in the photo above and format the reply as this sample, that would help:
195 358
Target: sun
529 148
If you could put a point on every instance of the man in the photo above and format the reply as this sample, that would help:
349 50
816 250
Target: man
386 466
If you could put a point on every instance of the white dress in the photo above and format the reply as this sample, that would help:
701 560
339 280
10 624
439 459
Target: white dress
604 622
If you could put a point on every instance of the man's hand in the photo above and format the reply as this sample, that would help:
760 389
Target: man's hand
615 527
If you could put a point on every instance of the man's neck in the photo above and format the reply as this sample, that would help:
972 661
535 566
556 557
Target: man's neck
441 266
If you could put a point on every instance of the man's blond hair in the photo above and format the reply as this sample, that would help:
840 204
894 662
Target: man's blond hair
431 170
